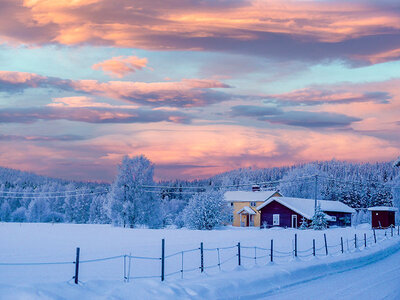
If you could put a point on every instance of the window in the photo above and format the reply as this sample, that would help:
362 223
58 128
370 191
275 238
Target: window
254 204
231 203
275 219
333 218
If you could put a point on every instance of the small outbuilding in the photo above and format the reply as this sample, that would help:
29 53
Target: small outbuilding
382 216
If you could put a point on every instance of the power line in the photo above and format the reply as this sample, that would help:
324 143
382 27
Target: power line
46 197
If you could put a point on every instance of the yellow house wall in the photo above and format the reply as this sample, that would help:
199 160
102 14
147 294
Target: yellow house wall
239 205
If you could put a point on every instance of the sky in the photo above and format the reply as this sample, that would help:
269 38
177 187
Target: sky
197 86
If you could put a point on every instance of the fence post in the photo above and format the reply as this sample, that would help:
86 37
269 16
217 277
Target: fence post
238 246
365 240
341 243
355 241
313 247
374 236
201 257
76 277
295 244
398 230
272 250
326 245
391 230
162 259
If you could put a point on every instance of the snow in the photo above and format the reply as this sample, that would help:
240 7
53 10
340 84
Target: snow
104 280
382 208
248 210
306 207
243 196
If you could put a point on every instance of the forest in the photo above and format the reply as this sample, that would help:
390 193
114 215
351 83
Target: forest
135 199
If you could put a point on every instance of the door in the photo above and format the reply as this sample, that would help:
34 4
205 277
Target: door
251 220
275 219
294 221
243 221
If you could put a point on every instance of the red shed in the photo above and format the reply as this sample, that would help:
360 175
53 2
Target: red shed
382 216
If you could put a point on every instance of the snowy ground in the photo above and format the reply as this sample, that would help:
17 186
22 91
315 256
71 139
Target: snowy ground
25 243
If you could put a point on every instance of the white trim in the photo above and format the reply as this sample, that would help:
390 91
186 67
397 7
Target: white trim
246 209
382 208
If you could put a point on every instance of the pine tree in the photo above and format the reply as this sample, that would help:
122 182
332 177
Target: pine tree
319 221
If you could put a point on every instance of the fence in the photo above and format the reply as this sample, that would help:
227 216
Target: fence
203 259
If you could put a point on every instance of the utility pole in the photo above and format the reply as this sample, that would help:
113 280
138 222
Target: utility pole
316 193
124 214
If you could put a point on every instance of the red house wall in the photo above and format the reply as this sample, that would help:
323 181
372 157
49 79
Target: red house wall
382 219
285 218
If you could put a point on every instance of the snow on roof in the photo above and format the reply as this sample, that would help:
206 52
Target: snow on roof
382 208
242 196
306 207
247 209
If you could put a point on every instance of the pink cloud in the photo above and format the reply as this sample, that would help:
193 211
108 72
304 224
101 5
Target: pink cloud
121 65
184 93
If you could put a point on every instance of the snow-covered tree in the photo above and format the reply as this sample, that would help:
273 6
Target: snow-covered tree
5 212
19 215
129 203
38 210
206 210
319 221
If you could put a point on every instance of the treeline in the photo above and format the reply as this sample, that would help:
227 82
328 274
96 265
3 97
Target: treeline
135 199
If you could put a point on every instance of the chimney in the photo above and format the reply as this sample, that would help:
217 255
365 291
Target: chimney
255 188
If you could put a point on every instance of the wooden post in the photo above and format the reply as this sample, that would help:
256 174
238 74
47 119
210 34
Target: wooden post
162 259
313 247
295 244
76 277
272 250
341 243
355 241
374 236
391 230
201 257
326 245
238 254
365 240
398 230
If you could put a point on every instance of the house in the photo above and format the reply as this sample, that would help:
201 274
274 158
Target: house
288 212
382 216
244 205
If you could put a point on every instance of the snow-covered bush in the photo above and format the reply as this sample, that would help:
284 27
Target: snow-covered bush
303 224
319 221
206 210
19 215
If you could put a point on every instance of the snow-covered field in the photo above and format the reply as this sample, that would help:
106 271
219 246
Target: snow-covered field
27 243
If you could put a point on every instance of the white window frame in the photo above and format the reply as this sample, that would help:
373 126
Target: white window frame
253 203
276 219
294 224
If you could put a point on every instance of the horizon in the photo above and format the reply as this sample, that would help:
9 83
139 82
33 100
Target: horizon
200 87
158 180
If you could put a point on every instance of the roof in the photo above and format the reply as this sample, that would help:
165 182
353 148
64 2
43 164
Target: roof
306 207
247 209
382 208
242 196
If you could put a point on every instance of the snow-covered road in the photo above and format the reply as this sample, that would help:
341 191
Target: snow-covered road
377 280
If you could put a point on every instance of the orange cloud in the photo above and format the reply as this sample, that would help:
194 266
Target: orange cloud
312 30
121 65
